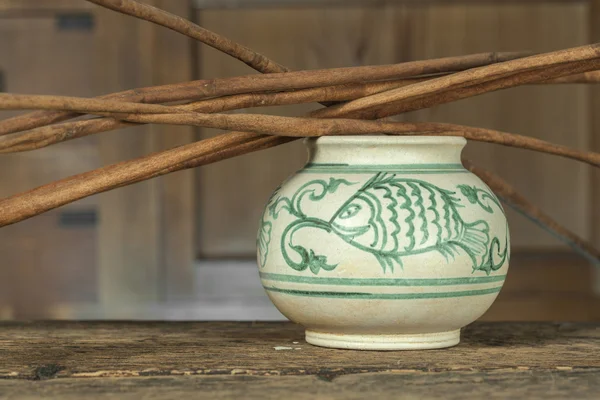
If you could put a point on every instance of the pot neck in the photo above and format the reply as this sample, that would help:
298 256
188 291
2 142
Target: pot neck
385 150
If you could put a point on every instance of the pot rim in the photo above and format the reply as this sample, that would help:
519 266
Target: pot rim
388 139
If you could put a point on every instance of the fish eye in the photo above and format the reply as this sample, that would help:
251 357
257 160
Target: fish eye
350 211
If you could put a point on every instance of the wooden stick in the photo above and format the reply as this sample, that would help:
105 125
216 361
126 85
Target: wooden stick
44 198
335 93
155 15
312 127
268 82
329 93
291 126
48 135
368 106
421 94
11 101
463 84
83 105
524 78
512 198
47 197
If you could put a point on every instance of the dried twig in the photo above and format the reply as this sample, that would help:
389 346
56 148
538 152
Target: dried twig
421 94
291 126
268 82
164 18
47 197
48 135
82 105
19 207
11 101
511 197
473 82
335 93
311 127
302 127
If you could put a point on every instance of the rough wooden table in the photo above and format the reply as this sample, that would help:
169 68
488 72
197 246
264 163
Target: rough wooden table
168 360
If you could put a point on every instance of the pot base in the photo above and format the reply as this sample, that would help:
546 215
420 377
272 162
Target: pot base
417 341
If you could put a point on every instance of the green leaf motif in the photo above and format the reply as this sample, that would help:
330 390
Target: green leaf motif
470 192
478 196
282 203
311 260
316 190
335 183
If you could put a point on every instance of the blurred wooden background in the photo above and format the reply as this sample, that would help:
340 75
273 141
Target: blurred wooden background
160 247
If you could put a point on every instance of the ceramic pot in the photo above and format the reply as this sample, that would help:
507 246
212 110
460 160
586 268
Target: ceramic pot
383 243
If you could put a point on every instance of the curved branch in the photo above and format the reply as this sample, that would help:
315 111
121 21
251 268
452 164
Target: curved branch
12 101
200 89
48 135
47 197
176 23
312 127
425 93
285 126
44 198
472 82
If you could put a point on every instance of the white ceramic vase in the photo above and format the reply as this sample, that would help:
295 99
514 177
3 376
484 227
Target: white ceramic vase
383 243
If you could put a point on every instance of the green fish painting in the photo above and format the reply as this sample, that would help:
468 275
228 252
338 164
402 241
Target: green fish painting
390 217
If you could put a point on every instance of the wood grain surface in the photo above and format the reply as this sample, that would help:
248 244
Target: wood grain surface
271 360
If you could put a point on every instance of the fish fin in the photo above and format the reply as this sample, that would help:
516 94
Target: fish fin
448 250
398 261
382 261
453 248
387 260
443 250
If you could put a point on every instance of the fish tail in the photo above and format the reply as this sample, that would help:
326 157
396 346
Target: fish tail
475 239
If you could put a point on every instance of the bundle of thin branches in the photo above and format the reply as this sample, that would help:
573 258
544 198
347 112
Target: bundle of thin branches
361 95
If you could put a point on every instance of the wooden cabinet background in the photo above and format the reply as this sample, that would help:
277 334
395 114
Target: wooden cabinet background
137 245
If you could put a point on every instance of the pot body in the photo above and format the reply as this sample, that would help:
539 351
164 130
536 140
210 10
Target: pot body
383 242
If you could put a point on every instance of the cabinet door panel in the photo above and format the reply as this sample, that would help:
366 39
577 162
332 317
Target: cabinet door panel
50 258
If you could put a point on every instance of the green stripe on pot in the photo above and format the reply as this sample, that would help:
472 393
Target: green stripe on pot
381 281
395 166
374 170
384 296
398 168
